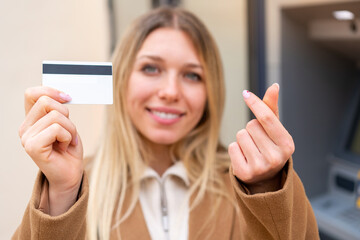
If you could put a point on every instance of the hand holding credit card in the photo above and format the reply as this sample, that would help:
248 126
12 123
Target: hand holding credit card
85 82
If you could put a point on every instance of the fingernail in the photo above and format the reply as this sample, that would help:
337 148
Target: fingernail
246 94
76 140
65 97
278 86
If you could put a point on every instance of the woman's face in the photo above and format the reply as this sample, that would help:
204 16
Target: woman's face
166 94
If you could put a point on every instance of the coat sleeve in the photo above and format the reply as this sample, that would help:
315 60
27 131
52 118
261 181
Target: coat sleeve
37 224
283 214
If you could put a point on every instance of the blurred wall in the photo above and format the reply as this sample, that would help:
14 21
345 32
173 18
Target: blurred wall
33 31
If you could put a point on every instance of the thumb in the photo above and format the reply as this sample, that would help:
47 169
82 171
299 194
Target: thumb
271 98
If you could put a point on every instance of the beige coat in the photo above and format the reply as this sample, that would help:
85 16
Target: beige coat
285 214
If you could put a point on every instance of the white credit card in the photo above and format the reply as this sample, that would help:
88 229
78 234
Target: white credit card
85 82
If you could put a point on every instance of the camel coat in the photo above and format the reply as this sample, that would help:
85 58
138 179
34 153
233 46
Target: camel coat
284 214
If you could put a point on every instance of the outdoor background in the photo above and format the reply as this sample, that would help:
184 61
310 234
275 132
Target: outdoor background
33 31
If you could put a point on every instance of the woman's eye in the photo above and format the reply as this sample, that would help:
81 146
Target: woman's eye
193 76
150 69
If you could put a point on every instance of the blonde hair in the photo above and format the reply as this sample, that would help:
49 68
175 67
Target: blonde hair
119 161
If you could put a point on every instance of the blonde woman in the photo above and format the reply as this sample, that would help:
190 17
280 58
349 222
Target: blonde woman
160 171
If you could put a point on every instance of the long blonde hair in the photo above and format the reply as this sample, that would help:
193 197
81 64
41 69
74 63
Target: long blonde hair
119 161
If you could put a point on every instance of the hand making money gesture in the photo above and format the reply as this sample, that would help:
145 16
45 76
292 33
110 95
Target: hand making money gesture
264 146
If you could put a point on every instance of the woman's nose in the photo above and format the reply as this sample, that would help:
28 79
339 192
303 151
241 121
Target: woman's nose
169 90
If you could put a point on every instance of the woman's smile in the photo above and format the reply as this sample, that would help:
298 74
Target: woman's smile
164 115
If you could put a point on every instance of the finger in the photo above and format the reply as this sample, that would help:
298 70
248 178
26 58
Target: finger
56 133
34 93
271 98
43 106
260 137
43 142
238 161
46 121
267 118
248 147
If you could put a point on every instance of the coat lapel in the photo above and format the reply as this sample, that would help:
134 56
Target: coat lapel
134 227
204 223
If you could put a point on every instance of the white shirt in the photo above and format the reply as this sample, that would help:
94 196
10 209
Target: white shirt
165 202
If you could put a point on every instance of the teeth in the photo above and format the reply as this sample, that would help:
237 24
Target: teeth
165 115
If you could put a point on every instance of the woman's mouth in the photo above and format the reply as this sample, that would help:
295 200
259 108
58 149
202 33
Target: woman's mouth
165 116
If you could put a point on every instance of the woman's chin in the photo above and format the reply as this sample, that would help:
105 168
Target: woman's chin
164 139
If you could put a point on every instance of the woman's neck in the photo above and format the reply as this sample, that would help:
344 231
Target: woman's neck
160 159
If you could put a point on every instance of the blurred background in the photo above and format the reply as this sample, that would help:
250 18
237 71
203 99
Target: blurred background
307 46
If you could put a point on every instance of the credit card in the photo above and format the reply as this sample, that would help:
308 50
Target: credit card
85 82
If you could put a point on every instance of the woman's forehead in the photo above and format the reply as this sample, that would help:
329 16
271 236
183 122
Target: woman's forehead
167 43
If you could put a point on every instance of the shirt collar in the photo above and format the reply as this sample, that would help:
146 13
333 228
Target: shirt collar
177 169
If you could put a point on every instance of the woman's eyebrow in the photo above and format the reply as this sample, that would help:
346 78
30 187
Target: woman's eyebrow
194 65
155 58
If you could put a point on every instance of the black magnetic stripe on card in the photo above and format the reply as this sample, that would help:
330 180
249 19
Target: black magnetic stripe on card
77 69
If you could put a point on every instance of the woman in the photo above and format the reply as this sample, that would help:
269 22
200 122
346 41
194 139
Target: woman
160 171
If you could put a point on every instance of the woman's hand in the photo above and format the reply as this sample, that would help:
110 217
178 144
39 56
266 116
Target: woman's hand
51 140
263 147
